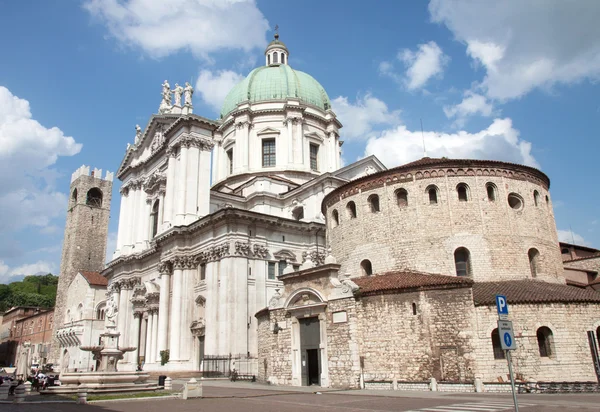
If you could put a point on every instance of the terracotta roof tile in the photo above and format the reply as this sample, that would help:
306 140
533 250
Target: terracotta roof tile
531 291
407 281
95 278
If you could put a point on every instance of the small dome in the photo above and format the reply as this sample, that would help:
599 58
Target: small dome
276 82
276 44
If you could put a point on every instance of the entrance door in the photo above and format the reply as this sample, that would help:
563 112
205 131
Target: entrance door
310 340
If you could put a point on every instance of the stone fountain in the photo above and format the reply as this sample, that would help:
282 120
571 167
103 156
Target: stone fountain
107 378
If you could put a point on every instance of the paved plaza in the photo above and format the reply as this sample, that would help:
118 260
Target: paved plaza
245 397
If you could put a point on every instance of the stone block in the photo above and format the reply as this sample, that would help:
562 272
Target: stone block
192 389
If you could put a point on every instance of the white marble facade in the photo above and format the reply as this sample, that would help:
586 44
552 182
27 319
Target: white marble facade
205 228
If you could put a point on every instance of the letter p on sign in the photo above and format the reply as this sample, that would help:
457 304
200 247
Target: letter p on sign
501 305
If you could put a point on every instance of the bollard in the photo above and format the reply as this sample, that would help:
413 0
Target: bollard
478 385
168 384
82 396
433 385
395 385
4 390
27 386
19 394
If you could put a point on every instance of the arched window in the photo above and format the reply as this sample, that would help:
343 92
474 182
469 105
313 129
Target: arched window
515 201
402 197
414 308
545 341
268 59
94 197
335 218
282 58
154 217
498 352
564 251
74 196
68 316
275 57
100 312
367 268
547 200
351 210
432 191
491 191
80 312
373 201
536 197
463 192
462 261
298 213
534 261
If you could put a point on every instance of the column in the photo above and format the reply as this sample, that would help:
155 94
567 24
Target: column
142 215
122 221
290 141
191 194
331 152
161 211
163 311
155 353
224 307
175 311
203 194
216 163
211 314
124 313
181 188
145 220
134 214
170 190
299 142
148 356
135 337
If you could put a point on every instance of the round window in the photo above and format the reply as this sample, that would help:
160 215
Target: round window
515 201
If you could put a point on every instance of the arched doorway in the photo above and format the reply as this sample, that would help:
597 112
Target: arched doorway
64 364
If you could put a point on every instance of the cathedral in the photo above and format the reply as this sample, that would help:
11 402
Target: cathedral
244 238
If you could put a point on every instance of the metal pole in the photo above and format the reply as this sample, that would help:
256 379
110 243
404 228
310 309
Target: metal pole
512 380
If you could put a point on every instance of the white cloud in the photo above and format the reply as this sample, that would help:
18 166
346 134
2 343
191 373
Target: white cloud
8 275
421 65
360 118
471 104
524 45
214 86
500 141
202 27
27 149
568 236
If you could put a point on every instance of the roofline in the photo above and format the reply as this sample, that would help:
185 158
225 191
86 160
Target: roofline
586 248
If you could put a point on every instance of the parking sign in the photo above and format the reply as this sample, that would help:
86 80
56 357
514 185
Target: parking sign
502 306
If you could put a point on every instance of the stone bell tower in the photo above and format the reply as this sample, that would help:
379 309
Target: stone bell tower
86 233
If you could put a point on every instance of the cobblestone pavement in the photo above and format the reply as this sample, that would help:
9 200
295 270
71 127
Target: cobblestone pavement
234 397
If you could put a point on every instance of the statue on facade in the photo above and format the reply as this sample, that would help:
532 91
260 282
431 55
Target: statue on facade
111 312
189 90
177 92
138 133
165 104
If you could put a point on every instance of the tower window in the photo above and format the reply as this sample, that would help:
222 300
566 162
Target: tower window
335 218
491 191
432 192
74 196
351 209
414 308
373 201
515 201
203 271
282 58
462 261
268 59
463 192
314 156
536 197
534 261
268 154
366 267
497 346
271 270
545 341
275 57
402 197
230 160
94 197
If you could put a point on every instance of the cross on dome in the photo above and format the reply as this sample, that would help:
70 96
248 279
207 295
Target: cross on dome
276 52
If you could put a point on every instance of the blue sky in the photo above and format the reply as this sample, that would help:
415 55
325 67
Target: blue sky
511 80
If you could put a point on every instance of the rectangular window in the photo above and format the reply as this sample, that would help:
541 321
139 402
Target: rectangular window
271 270
268 152
282 266
314 156
203 271
230 158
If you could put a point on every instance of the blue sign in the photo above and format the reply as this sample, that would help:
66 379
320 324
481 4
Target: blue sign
501 305
507 339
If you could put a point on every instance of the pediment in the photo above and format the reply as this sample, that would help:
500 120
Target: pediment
314 136
268 130
285 254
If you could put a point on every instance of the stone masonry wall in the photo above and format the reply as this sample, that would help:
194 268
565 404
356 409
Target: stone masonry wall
585 264
423 236
274 353
571 360
436 342
342 346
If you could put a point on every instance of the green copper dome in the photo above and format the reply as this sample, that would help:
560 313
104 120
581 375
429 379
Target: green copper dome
276 82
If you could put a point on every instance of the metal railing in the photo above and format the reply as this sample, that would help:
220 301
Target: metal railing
238 366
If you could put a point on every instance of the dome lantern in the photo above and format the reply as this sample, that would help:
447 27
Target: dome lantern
276 52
